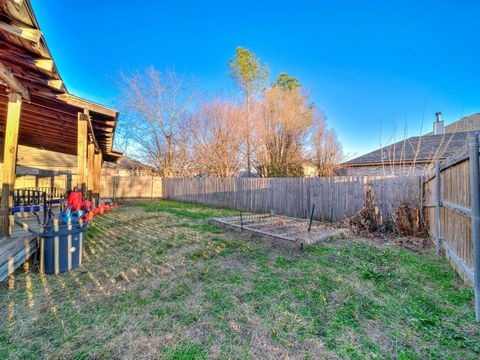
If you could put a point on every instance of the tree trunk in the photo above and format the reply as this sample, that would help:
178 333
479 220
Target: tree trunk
249 163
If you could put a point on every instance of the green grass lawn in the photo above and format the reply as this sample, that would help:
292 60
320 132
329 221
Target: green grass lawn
159 282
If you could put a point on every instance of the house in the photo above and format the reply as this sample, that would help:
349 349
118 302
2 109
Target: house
38 114
309 169
127 166
417 154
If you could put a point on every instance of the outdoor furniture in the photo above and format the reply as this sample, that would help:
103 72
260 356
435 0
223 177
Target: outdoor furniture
33 200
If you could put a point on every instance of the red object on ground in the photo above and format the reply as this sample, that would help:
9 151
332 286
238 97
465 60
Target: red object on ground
87 205
92 214
74 201
102 208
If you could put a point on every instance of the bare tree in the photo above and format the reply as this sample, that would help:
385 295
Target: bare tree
328 151
215 138
283 120
155 104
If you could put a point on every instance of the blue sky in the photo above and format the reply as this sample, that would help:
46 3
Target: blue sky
370 66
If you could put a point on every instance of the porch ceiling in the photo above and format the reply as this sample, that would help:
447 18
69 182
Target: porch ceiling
49 113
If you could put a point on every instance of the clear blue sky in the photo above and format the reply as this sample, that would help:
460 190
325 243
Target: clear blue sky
367 64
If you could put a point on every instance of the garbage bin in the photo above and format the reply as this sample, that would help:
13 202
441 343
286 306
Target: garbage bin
61 246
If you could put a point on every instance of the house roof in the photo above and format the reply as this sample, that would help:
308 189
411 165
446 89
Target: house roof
417 149
49 114
425 148
128 163
467 123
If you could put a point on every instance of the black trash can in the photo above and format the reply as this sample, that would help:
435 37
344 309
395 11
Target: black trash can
61 246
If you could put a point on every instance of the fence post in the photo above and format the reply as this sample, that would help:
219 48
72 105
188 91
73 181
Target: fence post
151 190
420 178
438 228
473 144
114 187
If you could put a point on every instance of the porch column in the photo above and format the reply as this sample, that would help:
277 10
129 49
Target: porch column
82 133
10 160
97 175
91 170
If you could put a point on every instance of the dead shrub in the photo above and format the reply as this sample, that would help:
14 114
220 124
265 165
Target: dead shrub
368 220
408 221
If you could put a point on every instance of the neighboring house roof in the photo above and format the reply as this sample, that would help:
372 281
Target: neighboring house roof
467 123
425 148
417 149
128 163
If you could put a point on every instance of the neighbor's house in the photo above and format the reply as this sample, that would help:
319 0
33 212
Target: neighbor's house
417 154
127 166
309 169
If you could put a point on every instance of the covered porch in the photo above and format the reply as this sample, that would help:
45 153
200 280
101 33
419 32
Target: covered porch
36 110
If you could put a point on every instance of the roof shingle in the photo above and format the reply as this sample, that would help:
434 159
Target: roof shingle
417 149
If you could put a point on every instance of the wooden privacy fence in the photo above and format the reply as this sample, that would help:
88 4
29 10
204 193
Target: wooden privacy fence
131 187
41 181
452 203
334 197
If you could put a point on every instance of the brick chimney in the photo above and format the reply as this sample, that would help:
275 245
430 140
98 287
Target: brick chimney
438 125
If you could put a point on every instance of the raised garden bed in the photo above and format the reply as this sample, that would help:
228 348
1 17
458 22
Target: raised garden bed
283 228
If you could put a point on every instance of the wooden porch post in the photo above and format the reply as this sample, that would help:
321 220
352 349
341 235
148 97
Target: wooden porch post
10 160
97 174
82 132
91 170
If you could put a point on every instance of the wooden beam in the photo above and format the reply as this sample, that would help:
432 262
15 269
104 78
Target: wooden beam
12 82
82 138
44 64
56 84
33 61
97 175
23 32
91 170
85 104
17 2
10 160
460 210
92 134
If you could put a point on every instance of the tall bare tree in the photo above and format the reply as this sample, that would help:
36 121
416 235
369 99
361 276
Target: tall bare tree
328 151
155 104
214 138
283 121
251 76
